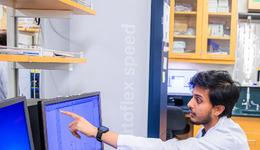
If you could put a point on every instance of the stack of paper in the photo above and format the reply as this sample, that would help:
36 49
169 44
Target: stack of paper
38 52
179 46
213 6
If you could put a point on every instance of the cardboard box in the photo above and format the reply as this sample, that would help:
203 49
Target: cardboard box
180 24
254 5
181 27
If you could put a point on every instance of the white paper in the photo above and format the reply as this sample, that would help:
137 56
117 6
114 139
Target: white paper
166 22
165 62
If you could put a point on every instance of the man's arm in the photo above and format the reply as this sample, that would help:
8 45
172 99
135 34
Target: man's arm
82 125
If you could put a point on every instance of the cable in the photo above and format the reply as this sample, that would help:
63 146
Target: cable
68 39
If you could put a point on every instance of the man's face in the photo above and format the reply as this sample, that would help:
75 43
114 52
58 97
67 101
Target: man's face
201 110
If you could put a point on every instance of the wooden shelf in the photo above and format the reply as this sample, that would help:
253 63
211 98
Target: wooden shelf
219 14
66 5
38 59
31 30
208 61
186 12
185 36
219 37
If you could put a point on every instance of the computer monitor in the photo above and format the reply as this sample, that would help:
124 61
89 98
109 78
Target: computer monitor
15 125
178 81
55 125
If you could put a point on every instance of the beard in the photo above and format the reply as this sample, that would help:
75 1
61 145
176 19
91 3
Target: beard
205 120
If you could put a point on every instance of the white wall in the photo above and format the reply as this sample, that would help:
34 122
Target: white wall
200 67
115 43
55 35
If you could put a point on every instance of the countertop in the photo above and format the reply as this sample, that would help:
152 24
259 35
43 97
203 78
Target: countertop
239 112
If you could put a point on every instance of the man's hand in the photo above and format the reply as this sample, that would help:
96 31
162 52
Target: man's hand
82 125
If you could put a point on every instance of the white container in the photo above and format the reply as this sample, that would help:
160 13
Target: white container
223 9
178 50
191 31
179 44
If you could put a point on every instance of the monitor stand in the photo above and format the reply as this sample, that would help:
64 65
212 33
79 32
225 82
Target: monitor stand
34 120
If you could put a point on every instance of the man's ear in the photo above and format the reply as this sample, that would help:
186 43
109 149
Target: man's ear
219 109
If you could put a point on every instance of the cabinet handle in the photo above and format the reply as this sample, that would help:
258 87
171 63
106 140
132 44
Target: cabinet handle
184 55
219 56
251 140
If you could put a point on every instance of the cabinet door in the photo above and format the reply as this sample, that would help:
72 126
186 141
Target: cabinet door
219 30
185 29
250 125
253 140
196 129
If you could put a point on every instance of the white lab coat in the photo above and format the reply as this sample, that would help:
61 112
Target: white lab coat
225 135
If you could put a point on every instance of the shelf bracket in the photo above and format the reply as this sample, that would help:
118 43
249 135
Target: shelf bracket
44 66
42 13
13 88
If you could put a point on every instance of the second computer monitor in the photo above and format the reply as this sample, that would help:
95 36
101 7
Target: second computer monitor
55 124
15 128
178 81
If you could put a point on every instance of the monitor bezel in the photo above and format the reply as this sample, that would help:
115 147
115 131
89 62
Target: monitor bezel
180 94
15 100
44 102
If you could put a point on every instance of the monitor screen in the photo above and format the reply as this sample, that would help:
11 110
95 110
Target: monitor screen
178 81
14 127
55 124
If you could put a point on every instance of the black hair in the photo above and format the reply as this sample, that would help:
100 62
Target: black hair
222 89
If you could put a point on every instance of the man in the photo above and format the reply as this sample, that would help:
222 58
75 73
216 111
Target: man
214 96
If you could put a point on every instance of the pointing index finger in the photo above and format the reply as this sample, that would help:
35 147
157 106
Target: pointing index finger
75 116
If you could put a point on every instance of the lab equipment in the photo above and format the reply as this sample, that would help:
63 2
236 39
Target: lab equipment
246 103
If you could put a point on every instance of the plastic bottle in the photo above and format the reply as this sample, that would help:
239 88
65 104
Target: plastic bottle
227 30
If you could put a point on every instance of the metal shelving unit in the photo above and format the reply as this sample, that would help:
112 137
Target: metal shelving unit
37 9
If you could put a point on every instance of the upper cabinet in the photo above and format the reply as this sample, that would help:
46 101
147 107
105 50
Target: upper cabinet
66 5
203 31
